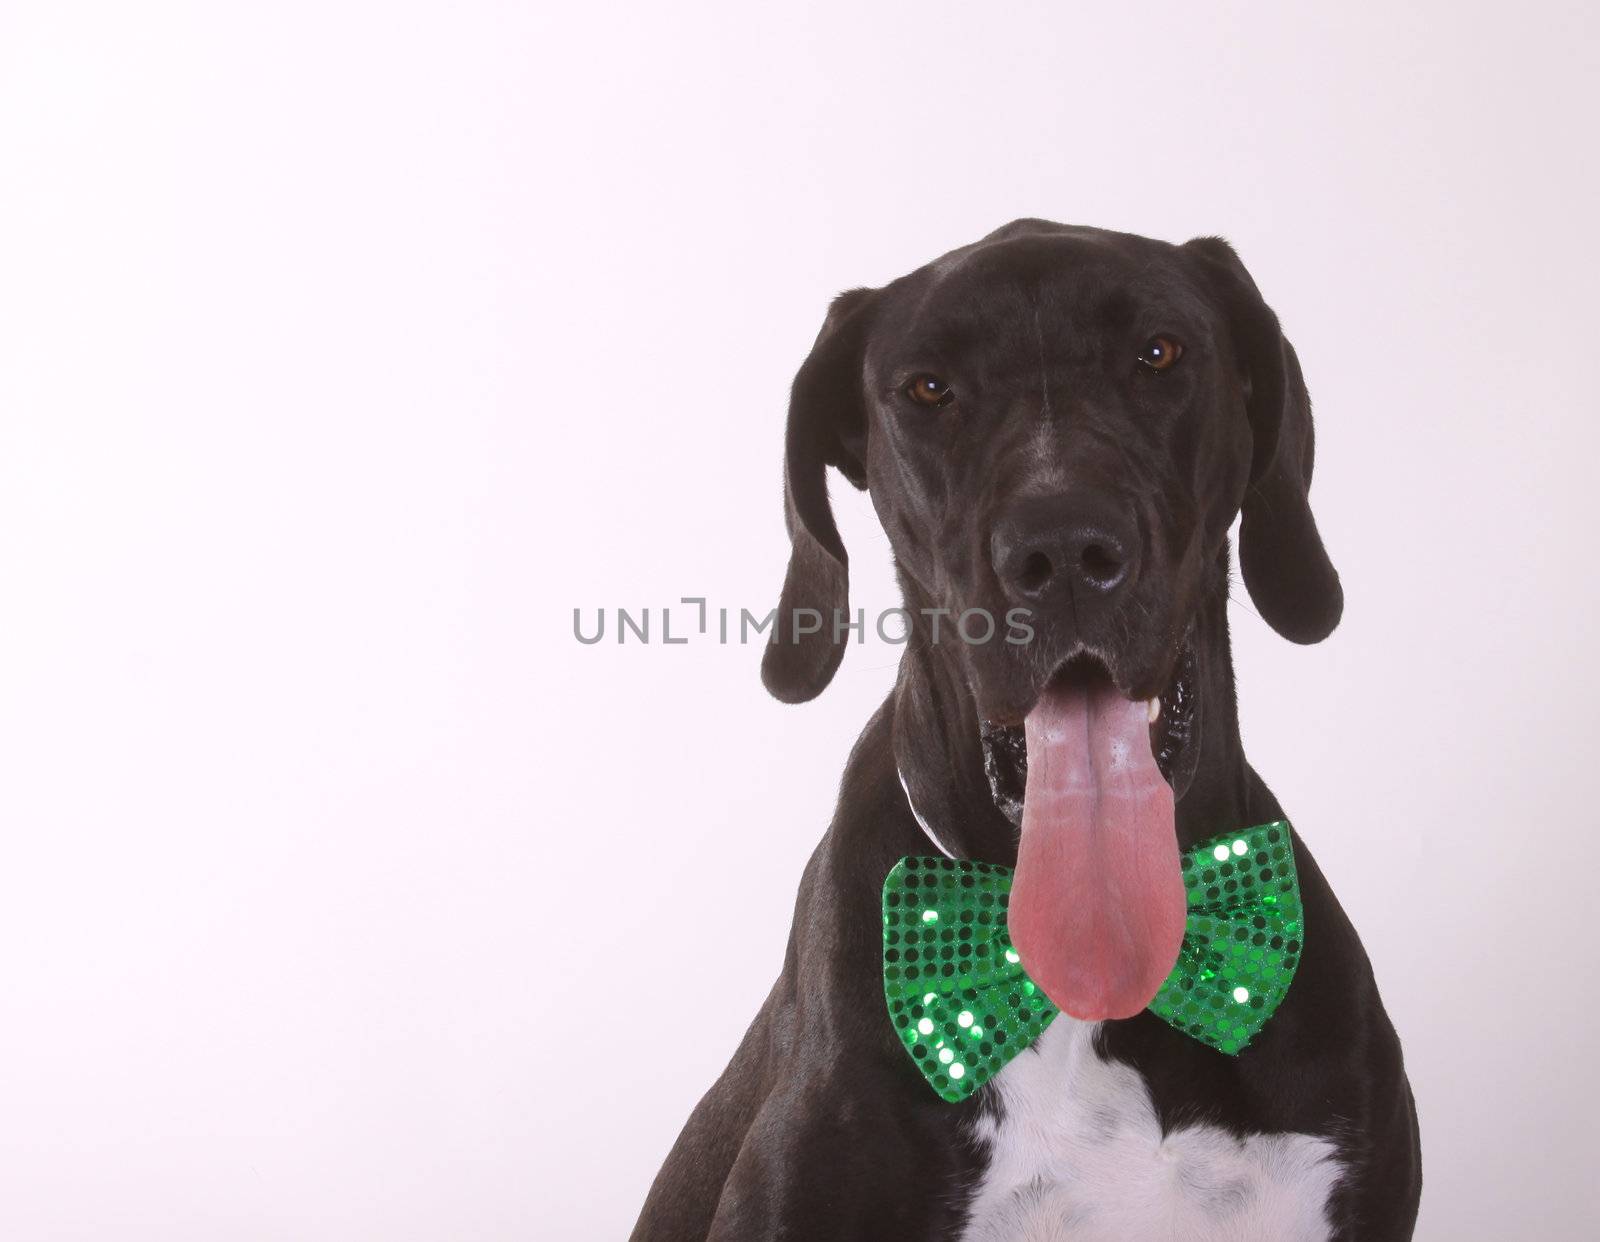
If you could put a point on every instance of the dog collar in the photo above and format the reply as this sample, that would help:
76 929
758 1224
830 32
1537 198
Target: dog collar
963 1006
927 828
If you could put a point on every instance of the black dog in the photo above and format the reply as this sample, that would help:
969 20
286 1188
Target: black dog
1057 426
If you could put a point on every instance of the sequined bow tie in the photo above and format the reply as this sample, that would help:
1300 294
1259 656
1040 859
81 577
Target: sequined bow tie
963 1005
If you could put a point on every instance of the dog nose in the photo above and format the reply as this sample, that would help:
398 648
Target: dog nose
1043 548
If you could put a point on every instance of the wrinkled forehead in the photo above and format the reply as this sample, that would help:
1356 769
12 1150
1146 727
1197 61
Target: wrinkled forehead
1051 289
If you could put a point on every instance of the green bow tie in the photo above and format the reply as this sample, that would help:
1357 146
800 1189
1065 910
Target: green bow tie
963 1005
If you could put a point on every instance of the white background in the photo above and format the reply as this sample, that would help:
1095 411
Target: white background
345 349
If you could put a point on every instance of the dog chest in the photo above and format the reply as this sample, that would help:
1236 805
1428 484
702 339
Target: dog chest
1078 1156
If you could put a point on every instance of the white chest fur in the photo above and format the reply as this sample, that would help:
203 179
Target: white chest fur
1079 1157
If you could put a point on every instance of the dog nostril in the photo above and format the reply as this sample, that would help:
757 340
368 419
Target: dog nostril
1100 567
1035 572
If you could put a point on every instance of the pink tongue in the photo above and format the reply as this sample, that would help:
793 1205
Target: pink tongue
1097 905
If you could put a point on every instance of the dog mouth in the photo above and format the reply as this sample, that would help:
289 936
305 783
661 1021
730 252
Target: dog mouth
1173 733
1090 778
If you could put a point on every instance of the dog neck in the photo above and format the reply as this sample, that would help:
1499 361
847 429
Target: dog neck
939 752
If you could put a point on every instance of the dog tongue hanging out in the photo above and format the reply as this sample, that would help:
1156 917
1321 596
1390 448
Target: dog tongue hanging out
1097 905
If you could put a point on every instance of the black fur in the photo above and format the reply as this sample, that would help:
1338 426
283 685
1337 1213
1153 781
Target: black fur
821 1128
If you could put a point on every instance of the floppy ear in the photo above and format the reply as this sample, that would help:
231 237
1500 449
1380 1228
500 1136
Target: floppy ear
1286 569
827 427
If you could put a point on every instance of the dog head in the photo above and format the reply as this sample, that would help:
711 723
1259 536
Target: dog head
1062 421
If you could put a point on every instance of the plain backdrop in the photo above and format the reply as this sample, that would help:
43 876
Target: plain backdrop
346 349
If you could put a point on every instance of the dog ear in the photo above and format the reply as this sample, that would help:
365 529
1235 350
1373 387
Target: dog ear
1286 569
827 427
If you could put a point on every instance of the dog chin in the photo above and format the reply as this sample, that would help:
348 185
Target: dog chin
1174 730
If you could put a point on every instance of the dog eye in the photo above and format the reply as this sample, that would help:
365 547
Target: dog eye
929 390
1160 352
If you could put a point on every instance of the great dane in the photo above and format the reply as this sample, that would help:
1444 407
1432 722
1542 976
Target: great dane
1057 426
